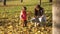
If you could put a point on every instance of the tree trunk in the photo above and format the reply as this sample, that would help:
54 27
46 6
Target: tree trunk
21 1
50 0
40 2
4 2
56 17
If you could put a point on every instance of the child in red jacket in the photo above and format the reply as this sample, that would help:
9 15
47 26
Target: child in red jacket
23 16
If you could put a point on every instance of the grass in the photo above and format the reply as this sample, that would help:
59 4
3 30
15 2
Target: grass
9 17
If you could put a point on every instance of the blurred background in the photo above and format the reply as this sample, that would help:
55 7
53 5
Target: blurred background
10 21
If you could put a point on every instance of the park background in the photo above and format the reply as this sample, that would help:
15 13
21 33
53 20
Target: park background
9 17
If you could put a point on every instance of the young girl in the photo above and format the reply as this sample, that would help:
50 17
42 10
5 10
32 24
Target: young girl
23 16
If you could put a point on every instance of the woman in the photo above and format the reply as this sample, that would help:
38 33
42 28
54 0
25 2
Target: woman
39 15
39 11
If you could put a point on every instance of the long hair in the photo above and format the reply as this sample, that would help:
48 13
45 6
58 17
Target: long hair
38 6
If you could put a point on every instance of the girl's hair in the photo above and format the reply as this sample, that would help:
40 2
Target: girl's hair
24 7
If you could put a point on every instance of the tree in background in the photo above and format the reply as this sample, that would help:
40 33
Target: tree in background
50 0
40 2
4 2
56 16
21 1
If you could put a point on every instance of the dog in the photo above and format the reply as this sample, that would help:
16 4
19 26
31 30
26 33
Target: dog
39 20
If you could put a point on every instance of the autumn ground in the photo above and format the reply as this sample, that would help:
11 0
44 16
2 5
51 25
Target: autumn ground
10 22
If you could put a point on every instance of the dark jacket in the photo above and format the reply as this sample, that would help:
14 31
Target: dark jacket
39 12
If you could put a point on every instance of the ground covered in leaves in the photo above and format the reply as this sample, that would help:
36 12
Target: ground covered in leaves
10 22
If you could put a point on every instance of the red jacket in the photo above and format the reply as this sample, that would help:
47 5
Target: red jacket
23 15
